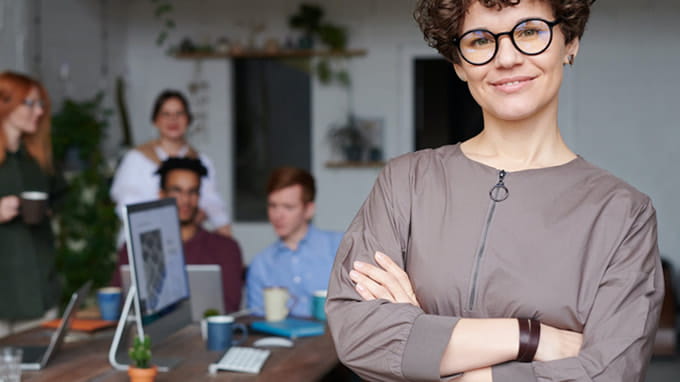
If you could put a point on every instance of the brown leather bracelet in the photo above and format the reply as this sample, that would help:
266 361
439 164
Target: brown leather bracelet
531 345
524 336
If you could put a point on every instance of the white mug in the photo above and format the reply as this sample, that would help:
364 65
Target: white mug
276 306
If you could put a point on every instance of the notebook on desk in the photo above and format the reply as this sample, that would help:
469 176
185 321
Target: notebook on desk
290 327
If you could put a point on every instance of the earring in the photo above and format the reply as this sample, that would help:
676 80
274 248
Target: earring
570 59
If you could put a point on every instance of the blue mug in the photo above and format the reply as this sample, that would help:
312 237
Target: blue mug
318 303
108 300
221 332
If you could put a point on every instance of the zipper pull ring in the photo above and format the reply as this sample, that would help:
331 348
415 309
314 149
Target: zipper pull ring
499 192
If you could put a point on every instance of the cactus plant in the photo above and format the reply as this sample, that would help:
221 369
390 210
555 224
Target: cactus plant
140 352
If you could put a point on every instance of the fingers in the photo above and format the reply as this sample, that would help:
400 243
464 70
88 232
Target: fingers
368 288
401 277
12 201
390 288
9 208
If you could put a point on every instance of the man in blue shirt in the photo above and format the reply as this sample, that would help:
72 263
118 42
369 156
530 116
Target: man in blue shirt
302 258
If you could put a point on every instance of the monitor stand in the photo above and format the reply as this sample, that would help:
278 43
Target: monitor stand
118 355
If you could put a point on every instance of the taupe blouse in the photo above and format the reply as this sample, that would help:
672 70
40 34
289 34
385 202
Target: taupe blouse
570 245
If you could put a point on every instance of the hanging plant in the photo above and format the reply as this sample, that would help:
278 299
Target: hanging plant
310 20
163 13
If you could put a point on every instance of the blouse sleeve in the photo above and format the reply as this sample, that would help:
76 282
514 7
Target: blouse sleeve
211 202
619 331
127 186
380 340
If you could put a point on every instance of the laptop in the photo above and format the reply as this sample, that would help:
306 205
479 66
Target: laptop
205 288
36 357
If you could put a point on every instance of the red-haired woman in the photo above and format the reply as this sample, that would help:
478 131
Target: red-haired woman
28 281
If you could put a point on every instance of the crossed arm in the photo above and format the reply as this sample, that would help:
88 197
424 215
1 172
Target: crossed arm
475 344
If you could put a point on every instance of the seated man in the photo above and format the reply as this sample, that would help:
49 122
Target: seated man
302 258
180 178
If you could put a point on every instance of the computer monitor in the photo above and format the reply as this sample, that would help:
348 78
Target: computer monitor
158 301
156 255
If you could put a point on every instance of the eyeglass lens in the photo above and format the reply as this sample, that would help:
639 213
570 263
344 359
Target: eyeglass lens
33 103
530 37
169 115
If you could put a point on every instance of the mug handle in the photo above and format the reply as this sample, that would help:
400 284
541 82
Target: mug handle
244 333
292 301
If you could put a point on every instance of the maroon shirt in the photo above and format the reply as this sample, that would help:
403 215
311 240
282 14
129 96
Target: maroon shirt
207 248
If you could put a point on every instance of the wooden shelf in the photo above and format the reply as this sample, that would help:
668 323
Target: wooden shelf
354 164
279 54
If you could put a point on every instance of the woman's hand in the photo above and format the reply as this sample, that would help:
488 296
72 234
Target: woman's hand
9 208
388 281
557 344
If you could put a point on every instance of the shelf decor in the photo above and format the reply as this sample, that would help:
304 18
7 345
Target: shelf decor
358 142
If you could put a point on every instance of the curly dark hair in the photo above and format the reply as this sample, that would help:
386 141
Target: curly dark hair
180 163
441 20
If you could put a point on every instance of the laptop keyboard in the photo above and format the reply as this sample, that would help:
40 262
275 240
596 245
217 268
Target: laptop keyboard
241 359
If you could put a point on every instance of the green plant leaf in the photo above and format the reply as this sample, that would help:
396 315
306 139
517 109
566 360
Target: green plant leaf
343 78
335 37
324 72
162 9
162 36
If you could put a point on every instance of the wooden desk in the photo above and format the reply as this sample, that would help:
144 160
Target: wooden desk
311 359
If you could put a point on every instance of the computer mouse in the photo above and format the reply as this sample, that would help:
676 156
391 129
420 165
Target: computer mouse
274 342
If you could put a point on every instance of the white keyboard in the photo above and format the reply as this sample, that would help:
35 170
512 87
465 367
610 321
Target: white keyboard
245 360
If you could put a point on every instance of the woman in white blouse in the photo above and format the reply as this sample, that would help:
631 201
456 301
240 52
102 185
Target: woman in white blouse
135 180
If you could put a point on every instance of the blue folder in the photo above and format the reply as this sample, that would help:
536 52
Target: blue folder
290 327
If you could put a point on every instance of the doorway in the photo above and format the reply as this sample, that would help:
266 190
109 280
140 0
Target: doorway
444 110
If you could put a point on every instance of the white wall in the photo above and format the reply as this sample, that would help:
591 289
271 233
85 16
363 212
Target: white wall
15 36
619 103
78 61
625 94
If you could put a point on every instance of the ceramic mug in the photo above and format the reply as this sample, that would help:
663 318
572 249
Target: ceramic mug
33 206
318 304
108 299
221 333
276 303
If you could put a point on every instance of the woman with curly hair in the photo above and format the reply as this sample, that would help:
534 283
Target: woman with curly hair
506 257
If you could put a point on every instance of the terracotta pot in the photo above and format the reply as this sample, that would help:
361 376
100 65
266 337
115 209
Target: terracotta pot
142 375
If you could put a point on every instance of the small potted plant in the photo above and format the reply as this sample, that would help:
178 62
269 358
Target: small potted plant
140 354
204 322
349 140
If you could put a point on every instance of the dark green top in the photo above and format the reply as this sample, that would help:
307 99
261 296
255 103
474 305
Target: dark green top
28 278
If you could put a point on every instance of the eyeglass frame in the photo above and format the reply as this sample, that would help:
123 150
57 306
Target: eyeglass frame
175 115
33 103
456 40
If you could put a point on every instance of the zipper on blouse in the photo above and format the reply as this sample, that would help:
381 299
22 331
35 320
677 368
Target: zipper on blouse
497 194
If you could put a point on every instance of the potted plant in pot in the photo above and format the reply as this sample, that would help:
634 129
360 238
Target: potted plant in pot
204 322
140 354
349 140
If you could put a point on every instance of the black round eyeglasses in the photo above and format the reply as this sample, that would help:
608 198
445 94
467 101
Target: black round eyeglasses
531 37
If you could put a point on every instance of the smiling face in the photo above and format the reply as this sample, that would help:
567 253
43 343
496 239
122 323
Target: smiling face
26 116
172 120
514 86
